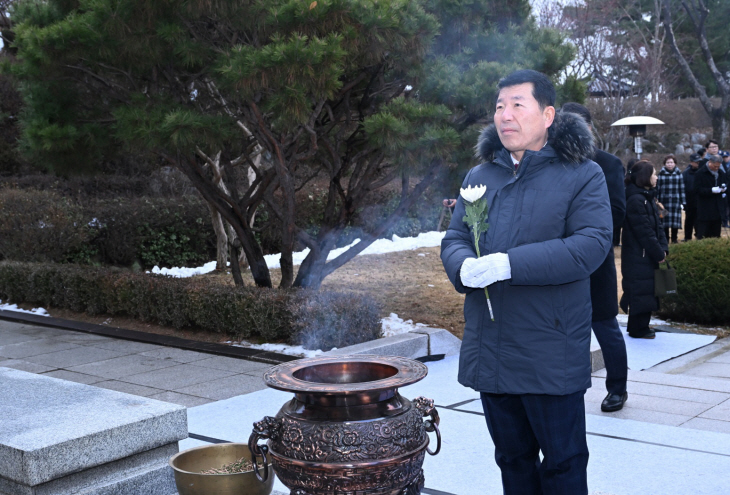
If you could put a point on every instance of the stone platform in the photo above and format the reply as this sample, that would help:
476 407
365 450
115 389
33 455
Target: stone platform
61 437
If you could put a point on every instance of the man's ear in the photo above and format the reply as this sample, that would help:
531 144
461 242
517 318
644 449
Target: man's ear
549 115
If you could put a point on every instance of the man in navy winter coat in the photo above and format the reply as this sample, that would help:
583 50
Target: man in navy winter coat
549 229
604 285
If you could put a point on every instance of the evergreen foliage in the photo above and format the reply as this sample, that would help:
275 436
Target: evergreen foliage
703 282
356 92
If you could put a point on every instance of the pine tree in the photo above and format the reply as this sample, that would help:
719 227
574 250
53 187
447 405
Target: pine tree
264 95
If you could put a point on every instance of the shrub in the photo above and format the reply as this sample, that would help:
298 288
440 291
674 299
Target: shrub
273 315
703 282
156 231
324 320
39 226
44 226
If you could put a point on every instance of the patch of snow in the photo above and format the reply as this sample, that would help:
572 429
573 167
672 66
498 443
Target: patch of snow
289 350
183 272
623 320
380 246
393 325
14 307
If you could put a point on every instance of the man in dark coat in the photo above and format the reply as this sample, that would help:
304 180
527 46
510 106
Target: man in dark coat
690 208
711 189
549 228
604 284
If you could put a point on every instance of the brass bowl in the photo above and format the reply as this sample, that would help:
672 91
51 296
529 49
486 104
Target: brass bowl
188 464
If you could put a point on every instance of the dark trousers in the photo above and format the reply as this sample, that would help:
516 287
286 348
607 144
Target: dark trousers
613 347
690 217
713 228
638 324
675 233
617 234
523 425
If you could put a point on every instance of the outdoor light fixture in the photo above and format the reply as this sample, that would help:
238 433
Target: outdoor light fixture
637 128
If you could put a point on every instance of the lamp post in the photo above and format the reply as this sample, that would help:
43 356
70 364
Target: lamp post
637 129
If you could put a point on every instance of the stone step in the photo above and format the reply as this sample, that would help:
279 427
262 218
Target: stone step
52 428
140 474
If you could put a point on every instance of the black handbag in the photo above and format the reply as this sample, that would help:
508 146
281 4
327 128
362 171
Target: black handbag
665 281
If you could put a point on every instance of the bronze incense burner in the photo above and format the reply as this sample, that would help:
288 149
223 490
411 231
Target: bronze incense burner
347 431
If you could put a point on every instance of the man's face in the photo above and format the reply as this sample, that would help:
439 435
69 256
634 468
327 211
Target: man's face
520 122
712 149
694 164
714 166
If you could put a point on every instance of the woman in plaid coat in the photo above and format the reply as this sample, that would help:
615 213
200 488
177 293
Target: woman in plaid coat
670 186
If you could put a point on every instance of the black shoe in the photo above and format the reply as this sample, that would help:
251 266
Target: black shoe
650 334
614 402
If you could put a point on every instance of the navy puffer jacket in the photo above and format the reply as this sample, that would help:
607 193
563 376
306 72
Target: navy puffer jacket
553 218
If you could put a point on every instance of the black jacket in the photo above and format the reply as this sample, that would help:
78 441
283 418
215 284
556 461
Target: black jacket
710 206
689 175
604 297
643 246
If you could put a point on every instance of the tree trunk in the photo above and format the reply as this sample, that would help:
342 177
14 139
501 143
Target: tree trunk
315 267
235 267
720 126
230 213
221 239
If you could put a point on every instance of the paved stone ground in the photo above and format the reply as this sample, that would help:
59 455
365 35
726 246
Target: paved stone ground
172 375
670 438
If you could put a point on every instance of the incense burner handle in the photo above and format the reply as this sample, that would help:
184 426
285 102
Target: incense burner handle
265 429
426 408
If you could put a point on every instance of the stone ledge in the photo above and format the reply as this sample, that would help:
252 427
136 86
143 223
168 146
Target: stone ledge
52 428
140 474
409 345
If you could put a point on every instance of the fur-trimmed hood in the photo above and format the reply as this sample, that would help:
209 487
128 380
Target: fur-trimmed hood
569 136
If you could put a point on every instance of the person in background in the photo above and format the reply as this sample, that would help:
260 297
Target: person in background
711 189
726 167
549 229
670 189
711 148
725 160
690 207
604 290
643 247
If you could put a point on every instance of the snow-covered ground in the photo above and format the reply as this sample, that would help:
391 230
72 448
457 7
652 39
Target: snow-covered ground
381 246
14 307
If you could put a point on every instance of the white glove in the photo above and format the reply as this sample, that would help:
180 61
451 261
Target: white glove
716 190
484 271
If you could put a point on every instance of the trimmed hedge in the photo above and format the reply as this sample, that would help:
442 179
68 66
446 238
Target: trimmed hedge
314 319
703 282
39 226
44 226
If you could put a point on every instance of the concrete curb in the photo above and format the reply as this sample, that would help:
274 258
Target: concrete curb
420 343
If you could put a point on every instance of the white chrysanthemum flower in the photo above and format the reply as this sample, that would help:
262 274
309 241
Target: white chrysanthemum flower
472 194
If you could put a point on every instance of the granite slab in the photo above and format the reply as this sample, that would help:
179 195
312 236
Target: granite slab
50 428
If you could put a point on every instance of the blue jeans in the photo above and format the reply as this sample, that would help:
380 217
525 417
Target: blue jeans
613 347
523 425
